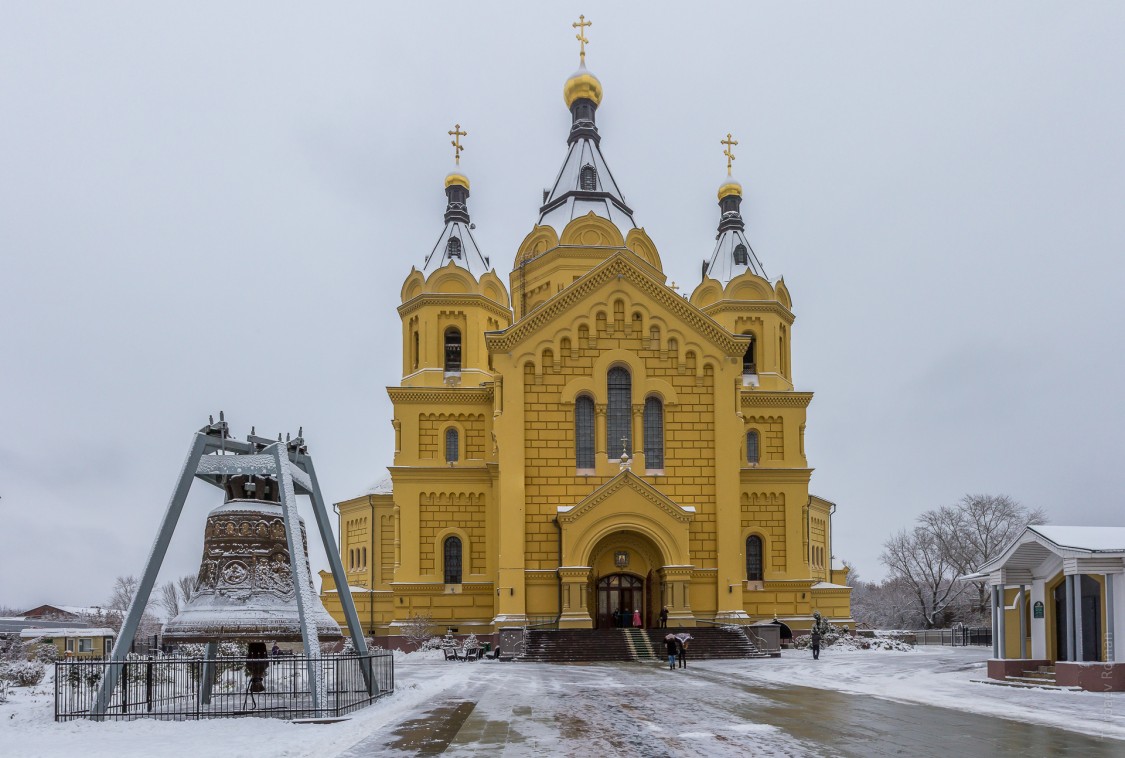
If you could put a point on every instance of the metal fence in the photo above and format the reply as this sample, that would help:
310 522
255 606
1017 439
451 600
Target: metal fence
193 688
961 636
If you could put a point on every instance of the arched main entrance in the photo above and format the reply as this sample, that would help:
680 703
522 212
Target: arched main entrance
618 596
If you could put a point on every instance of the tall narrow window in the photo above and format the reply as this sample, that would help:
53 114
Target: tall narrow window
618 411
752 453
453 247
754 558
749 362
452 349
452 560
588 178
584 433
740 257
654 434
451 445
415 354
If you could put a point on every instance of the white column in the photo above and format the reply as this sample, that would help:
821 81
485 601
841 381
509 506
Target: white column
1021 608
1079 653
995 634
1001 608
1110 642
1069 581
1039 626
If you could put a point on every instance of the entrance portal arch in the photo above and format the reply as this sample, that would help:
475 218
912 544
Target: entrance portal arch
625 576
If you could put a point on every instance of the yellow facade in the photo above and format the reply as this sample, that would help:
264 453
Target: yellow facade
488 453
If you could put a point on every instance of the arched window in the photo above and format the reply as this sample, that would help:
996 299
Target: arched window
452 562
453 349
415 351
752 453
451 446
749 361
740 257
618 411
754 558
584 433
654 434
363 559
453 247
588 178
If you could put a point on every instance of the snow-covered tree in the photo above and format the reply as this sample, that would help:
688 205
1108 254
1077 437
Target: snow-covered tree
417 628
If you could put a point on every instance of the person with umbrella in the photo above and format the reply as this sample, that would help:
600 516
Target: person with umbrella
673 646
682 640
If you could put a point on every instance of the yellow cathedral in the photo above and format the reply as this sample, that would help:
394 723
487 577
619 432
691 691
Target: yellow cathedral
587 439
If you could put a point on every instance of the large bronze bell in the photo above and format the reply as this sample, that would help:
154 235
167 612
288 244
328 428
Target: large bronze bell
245 582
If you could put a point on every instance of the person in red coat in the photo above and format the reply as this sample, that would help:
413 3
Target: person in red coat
637 618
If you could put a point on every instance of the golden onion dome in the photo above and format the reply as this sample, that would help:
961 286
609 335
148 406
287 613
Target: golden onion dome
456 177
582 84
730 187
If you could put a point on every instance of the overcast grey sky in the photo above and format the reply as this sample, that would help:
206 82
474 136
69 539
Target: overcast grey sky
213 206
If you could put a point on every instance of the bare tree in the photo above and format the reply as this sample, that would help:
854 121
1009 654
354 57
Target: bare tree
975 531
124 590
417 628
916 559
176 594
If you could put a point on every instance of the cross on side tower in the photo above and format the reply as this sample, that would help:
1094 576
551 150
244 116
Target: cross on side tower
581 25
457 134
729 151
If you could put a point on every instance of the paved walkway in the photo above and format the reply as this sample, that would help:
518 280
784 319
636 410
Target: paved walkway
643 710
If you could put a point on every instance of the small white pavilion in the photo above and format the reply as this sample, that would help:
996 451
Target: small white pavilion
1057 599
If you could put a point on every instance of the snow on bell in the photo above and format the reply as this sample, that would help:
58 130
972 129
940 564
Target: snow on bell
245 581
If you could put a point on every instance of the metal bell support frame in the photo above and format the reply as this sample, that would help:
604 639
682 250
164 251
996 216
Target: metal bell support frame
213 457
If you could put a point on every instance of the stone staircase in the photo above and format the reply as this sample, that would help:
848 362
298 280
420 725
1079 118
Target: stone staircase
1041 678
593 645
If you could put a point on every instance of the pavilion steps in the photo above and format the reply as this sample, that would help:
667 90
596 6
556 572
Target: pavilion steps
1040 678
644 645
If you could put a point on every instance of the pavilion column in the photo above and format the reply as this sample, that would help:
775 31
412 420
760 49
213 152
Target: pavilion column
677 595
1069 581
995 633
575 613
1021 607
1079 653
599 431
1110 652
1001 603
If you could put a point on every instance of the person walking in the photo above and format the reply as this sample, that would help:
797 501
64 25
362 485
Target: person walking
617 618
683 639
664 617
672 645
637 619
815 644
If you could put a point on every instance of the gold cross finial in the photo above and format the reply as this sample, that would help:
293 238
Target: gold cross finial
457 134
581 25
729 151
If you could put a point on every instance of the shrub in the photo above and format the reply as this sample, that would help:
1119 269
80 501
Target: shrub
24 673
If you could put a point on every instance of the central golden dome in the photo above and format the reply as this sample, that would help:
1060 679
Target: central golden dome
582 84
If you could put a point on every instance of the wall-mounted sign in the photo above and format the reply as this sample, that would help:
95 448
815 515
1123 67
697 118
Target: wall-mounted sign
621 559
1037 609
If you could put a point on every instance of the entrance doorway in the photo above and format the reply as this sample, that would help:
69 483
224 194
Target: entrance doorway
619 592
1091 620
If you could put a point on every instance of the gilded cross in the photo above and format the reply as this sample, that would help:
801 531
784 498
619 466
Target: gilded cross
729 151
457 134
581 25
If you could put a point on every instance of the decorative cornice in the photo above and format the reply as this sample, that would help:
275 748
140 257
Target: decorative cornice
751 306
762 475
626 479
532 266
460 299
441 395
771 399
617 266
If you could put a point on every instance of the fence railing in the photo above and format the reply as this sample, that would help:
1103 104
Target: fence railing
192 688
962 636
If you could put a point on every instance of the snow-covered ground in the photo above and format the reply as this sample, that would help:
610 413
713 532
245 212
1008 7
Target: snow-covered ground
713 708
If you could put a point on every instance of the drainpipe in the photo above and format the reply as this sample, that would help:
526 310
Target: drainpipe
371 570
558 573
831 513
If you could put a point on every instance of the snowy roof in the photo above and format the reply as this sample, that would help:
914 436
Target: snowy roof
1095 539
463 252
829 586
567 200
100 631
383 486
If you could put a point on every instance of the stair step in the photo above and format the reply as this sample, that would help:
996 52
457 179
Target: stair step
1026 685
